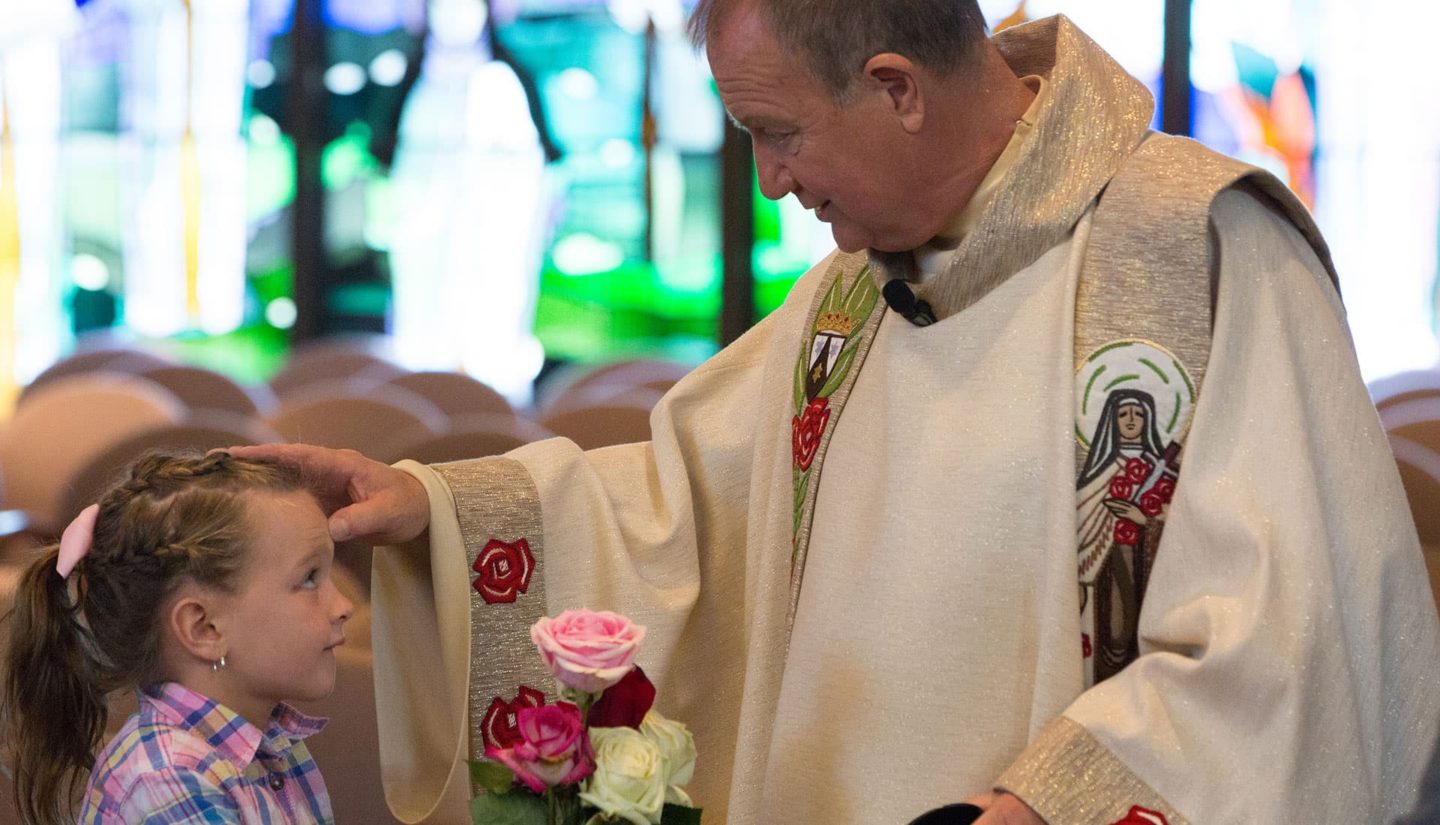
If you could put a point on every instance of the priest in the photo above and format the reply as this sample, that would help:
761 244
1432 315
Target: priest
1055 489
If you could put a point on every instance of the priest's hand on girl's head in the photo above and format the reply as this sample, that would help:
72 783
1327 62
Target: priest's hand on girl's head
365 499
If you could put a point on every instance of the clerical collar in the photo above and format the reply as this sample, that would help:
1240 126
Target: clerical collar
931 258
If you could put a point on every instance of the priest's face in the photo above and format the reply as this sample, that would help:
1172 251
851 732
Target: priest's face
852 164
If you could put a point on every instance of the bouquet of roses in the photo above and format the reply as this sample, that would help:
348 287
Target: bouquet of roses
602 754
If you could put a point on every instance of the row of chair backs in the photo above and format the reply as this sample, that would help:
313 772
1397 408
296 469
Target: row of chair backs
1409 407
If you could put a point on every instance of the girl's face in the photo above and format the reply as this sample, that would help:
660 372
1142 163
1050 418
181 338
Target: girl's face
287 617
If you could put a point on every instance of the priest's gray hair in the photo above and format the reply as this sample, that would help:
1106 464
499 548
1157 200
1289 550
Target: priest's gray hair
836 37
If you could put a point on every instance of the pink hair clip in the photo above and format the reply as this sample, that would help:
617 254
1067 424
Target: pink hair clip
76 540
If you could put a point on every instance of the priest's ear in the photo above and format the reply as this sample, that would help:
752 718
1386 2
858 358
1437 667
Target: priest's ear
899 79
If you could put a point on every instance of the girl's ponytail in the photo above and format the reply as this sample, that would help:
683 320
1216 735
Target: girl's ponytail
55 696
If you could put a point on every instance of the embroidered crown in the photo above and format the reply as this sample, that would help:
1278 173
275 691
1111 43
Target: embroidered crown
835 321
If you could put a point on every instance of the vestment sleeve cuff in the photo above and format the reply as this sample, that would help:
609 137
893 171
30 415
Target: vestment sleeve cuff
1069 778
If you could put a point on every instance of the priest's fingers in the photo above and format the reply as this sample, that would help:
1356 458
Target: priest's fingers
366 500
390 507
328 472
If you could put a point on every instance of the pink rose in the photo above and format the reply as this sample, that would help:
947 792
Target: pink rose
553 748
586 650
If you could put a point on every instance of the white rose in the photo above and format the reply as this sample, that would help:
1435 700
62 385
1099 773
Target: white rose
677 752
629 778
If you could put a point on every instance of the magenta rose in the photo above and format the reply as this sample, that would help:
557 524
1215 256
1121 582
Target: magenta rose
553 748
1138 469
1126 531
625 703
499 726
805 432
586 650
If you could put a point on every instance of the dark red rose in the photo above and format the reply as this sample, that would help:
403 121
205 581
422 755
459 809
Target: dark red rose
1085 649
625 703
1166 488
1126 531
1138 469
1121 487
504 571
1152 503
1142 816
500 727
805 432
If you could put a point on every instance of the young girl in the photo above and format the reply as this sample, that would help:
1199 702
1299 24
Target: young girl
203 581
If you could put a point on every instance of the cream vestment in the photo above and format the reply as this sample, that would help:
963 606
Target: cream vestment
1287 641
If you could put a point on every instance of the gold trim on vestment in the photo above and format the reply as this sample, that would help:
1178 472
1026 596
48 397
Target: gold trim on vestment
496 499
1069 778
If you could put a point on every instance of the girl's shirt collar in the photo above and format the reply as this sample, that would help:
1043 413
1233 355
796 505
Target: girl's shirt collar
235 739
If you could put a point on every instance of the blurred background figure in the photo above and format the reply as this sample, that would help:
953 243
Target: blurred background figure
473 206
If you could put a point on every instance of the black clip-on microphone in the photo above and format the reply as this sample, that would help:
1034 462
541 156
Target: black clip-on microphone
902 299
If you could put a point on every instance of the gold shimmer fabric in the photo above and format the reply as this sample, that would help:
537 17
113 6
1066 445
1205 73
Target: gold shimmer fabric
1288 639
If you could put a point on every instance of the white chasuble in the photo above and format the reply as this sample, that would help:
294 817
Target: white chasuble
1287 640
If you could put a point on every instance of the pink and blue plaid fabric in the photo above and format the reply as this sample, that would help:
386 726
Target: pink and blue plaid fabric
186 759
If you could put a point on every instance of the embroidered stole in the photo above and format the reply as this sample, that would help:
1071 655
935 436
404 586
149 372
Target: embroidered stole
1143 317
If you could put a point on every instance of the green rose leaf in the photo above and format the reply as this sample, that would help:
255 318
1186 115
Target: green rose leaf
507 809
492 776
679 815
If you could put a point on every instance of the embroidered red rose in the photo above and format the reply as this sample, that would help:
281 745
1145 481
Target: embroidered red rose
500 725
504 571
1121 487
1138 469
805 432
1142 816
1126 531
1152 503
1085 649
1165 487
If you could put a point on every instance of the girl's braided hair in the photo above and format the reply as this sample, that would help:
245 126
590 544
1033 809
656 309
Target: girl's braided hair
176 517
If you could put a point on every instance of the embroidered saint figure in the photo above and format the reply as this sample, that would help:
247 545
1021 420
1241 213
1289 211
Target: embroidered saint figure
1126 481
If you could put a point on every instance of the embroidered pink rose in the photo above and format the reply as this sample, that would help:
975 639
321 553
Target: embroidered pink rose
505 570
552 748
1151 503
1138 469
1126 531
805 432
1121 487
587 650
499 727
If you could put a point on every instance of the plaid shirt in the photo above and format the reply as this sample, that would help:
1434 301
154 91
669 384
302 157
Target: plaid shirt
185 759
